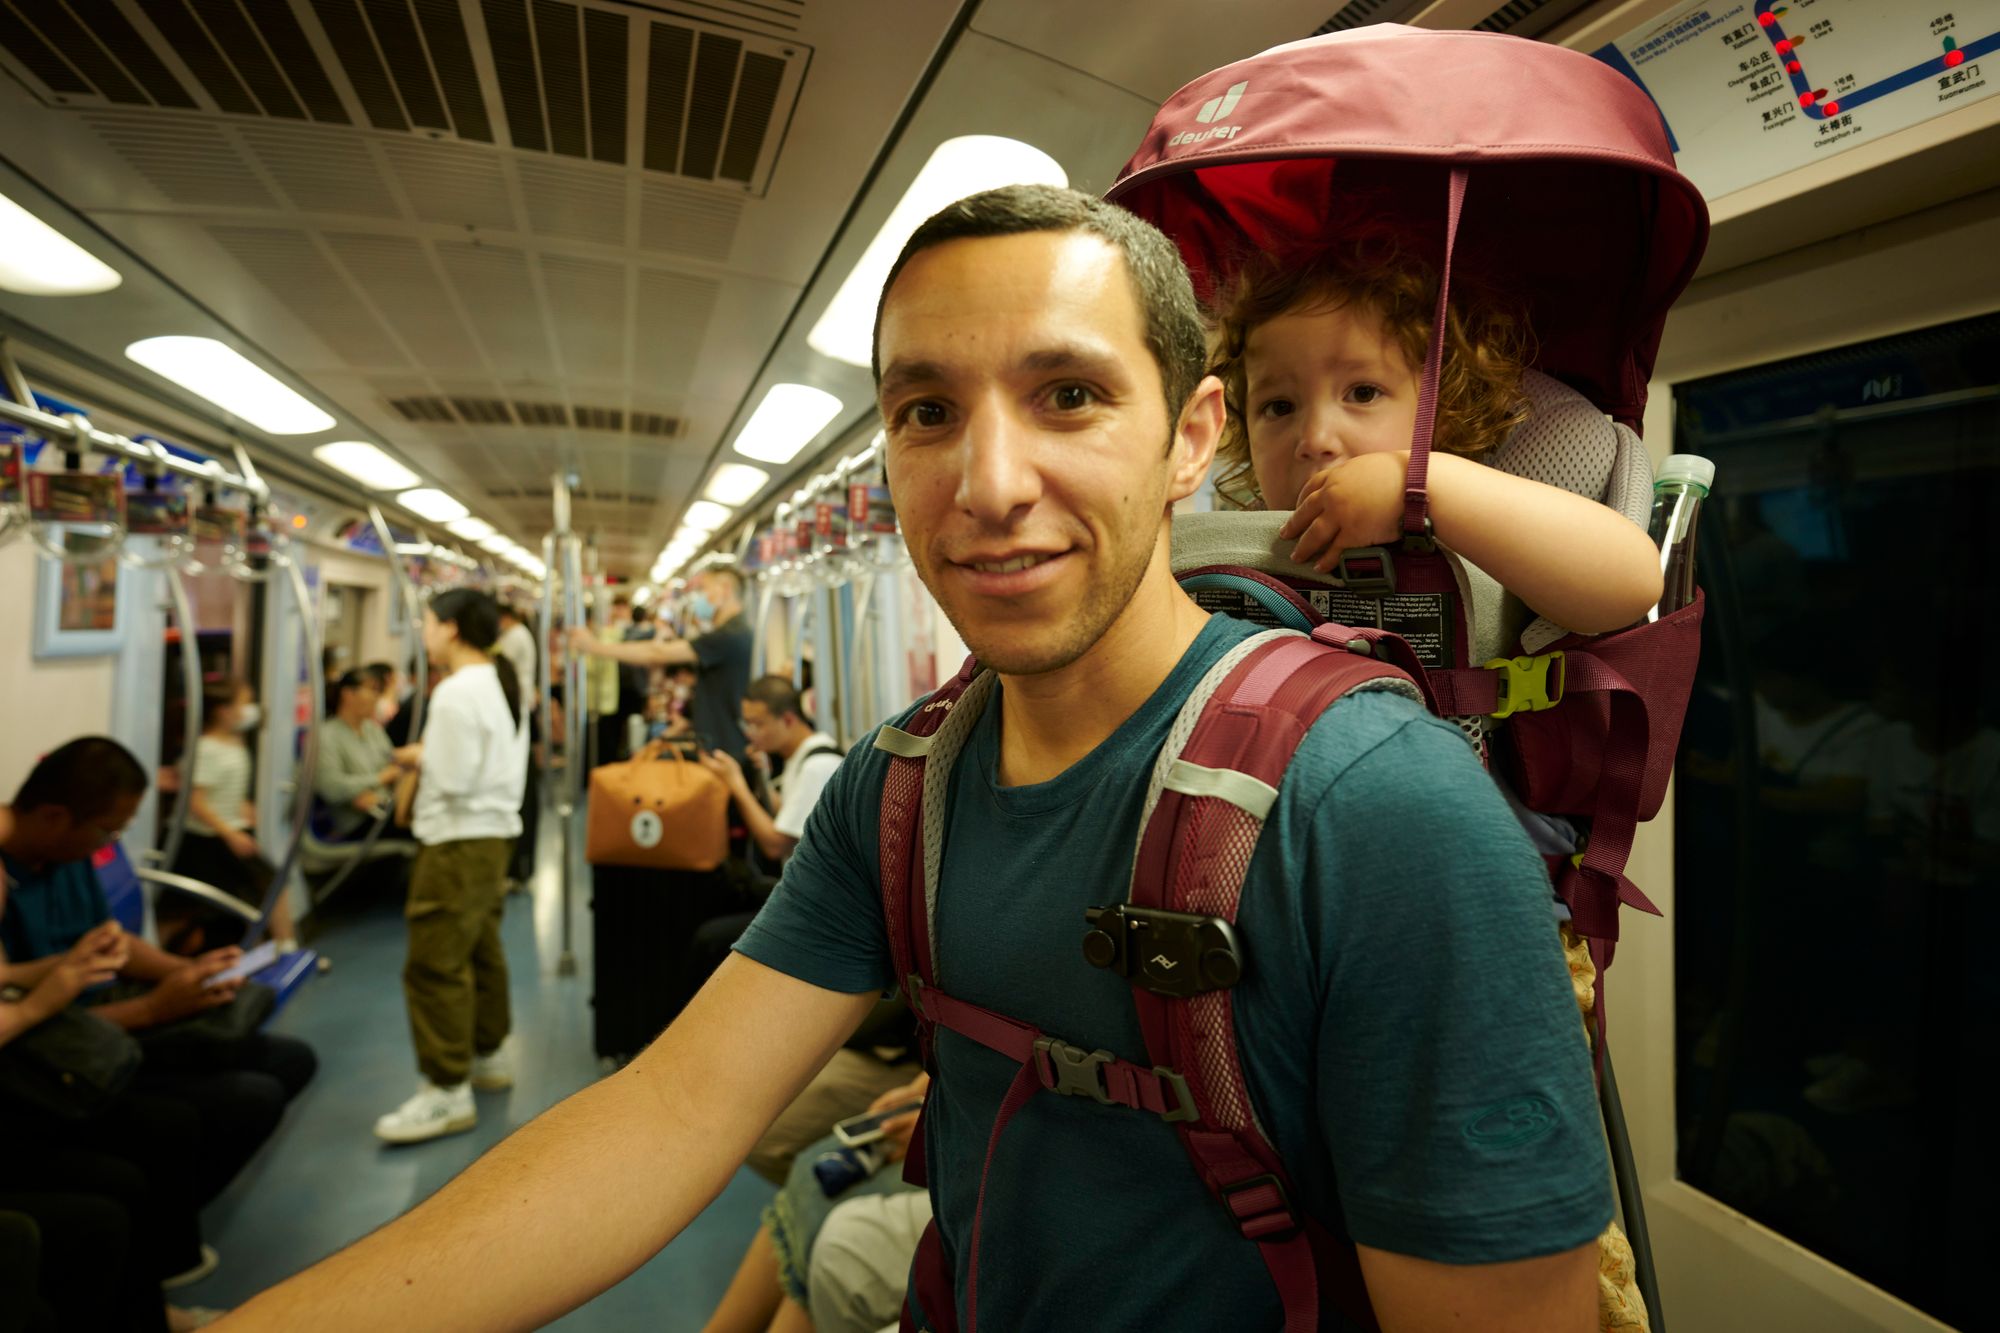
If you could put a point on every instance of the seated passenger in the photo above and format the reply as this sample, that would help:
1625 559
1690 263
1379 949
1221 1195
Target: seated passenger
775 723
76 802
357 770
221 846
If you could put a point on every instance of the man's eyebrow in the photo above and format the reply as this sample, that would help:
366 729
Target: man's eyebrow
1071 356
902 374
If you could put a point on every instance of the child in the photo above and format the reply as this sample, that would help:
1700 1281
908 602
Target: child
220 847
1321 363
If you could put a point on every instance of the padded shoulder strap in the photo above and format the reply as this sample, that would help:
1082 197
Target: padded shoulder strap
912 820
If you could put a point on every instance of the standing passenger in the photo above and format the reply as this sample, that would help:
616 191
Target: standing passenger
720 654
475 755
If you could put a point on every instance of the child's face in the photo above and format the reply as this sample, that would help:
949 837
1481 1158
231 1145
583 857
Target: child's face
1322 385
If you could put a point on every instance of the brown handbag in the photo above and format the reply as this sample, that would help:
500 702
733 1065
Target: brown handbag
657 814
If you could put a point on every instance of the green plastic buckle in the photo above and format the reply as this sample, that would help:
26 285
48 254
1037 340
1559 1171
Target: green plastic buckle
1524 683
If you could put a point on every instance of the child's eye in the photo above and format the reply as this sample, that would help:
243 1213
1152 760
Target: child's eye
1273 408
1366 393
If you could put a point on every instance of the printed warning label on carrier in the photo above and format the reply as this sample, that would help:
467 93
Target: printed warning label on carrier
1424 619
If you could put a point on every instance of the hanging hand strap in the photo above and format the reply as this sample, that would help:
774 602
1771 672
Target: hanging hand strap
1416 500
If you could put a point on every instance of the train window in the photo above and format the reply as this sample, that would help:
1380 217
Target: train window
1838 806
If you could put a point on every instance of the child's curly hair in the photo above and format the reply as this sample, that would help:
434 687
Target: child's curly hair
1486 346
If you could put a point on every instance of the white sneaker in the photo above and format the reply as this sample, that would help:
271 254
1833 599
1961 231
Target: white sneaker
432 1113
495 1072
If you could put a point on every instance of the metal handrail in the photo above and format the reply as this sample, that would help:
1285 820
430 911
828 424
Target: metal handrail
302 787
86 437
191 688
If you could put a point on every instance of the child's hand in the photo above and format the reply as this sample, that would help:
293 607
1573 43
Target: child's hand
1349 503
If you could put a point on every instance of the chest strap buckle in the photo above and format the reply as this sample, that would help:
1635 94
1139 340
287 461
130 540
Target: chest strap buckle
1073 1071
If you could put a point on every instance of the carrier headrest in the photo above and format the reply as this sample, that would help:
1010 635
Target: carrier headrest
1568 443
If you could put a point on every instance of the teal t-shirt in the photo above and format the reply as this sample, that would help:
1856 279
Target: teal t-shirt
1406 1021
46 911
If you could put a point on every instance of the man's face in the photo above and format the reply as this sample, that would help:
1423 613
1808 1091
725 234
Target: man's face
1028 443
763 731
73 839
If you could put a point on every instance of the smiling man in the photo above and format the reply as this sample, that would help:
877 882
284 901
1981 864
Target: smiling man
1040 368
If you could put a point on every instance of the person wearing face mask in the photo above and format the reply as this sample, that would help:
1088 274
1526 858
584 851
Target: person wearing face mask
357 771
221 845
720 655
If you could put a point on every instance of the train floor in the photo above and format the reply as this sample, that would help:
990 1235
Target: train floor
324 1180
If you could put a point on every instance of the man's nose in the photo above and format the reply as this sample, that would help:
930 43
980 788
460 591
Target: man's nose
998 477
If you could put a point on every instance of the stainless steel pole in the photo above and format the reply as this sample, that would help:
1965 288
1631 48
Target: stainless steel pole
191 690
302 775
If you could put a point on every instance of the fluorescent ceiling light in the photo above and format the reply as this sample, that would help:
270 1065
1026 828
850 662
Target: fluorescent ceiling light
472 529
735 483
226 378
366 464
498 543
957 168
705 516
432 504
786 422
38 260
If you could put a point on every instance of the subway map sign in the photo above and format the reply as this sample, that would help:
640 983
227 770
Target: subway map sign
1751 89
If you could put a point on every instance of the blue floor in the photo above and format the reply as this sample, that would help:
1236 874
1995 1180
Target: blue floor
324 1180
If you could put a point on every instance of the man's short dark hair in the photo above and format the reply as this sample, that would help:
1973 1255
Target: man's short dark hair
730 572
1160 283
778 694
383 672
86 777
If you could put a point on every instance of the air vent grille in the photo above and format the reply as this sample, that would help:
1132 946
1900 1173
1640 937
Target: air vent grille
715 84
541 414
482 411
600 418
1361 13
423 409
655 425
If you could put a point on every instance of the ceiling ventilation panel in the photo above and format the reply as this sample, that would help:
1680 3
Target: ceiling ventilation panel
288 263
321 172
713 97
397 277
423 407
188 161
1361 13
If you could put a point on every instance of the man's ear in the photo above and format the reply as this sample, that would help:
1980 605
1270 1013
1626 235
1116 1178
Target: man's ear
1195 438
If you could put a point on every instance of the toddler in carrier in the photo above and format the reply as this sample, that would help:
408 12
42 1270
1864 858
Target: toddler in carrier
1321 360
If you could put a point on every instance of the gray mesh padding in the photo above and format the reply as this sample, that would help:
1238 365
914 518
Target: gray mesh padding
946 743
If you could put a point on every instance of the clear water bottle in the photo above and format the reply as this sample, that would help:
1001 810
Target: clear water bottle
1685 481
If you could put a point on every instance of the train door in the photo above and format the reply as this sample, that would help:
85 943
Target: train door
1800 1039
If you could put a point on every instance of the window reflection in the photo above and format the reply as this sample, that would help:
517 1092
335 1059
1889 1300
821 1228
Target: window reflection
1838 806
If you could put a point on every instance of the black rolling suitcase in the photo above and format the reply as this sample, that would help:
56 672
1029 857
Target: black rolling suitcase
642 922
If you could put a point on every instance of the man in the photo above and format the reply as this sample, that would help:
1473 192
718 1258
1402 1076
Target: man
774 722
1041 383
76 802
720 654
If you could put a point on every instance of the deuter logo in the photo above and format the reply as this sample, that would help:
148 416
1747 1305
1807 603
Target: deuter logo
1216 108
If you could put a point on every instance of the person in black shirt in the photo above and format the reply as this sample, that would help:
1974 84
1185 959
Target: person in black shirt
720 656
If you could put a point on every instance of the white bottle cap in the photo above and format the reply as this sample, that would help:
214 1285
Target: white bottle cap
1688 467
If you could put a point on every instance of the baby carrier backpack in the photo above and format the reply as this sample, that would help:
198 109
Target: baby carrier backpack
1544 159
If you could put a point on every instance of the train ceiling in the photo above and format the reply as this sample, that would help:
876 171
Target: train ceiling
504 237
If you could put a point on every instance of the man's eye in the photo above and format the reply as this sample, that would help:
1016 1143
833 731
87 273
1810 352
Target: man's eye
1070 397
925 415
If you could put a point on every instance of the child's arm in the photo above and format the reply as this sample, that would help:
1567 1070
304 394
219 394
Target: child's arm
1577 562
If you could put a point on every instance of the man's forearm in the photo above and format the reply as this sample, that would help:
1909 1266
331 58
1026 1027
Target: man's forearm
581 1196
763 828
29 975
133 1015
146 961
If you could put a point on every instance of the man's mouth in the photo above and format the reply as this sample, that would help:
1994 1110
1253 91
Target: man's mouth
1013 564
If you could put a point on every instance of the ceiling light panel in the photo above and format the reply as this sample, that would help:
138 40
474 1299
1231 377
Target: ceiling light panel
471 529
38 260
957 168
366 464
432 504
221 374
735 483
705 516
786 422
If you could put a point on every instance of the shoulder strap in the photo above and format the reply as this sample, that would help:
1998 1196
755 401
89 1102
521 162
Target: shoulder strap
1215 781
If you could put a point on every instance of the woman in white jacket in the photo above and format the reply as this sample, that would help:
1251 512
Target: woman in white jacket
475 755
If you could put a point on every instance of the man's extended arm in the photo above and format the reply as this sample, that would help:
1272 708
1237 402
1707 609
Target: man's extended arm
641 652
1556 1293
581 1196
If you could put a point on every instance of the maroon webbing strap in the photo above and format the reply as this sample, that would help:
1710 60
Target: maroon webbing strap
1390 648
1194 854
1416 502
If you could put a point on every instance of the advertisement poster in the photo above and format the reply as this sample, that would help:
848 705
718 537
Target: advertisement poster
1755 88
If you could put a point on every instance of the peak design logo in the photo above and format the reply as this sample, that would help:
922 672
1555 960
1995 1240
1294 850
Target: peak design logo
1216 108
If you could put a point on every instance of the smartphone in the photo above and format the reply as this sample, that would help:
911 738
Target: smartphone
859 1129
256 960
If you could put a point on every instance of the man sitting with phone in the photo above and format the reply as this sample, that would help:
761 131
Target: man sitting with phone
775 723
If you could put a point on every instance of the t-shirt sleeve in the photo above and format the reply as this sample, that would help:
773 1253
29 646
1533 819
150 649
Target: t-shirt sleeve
1456 1095
823 923
802 792
721 647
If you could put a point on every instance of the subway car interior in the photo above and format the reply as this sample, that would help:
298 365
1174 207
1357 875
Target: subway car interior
353 347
